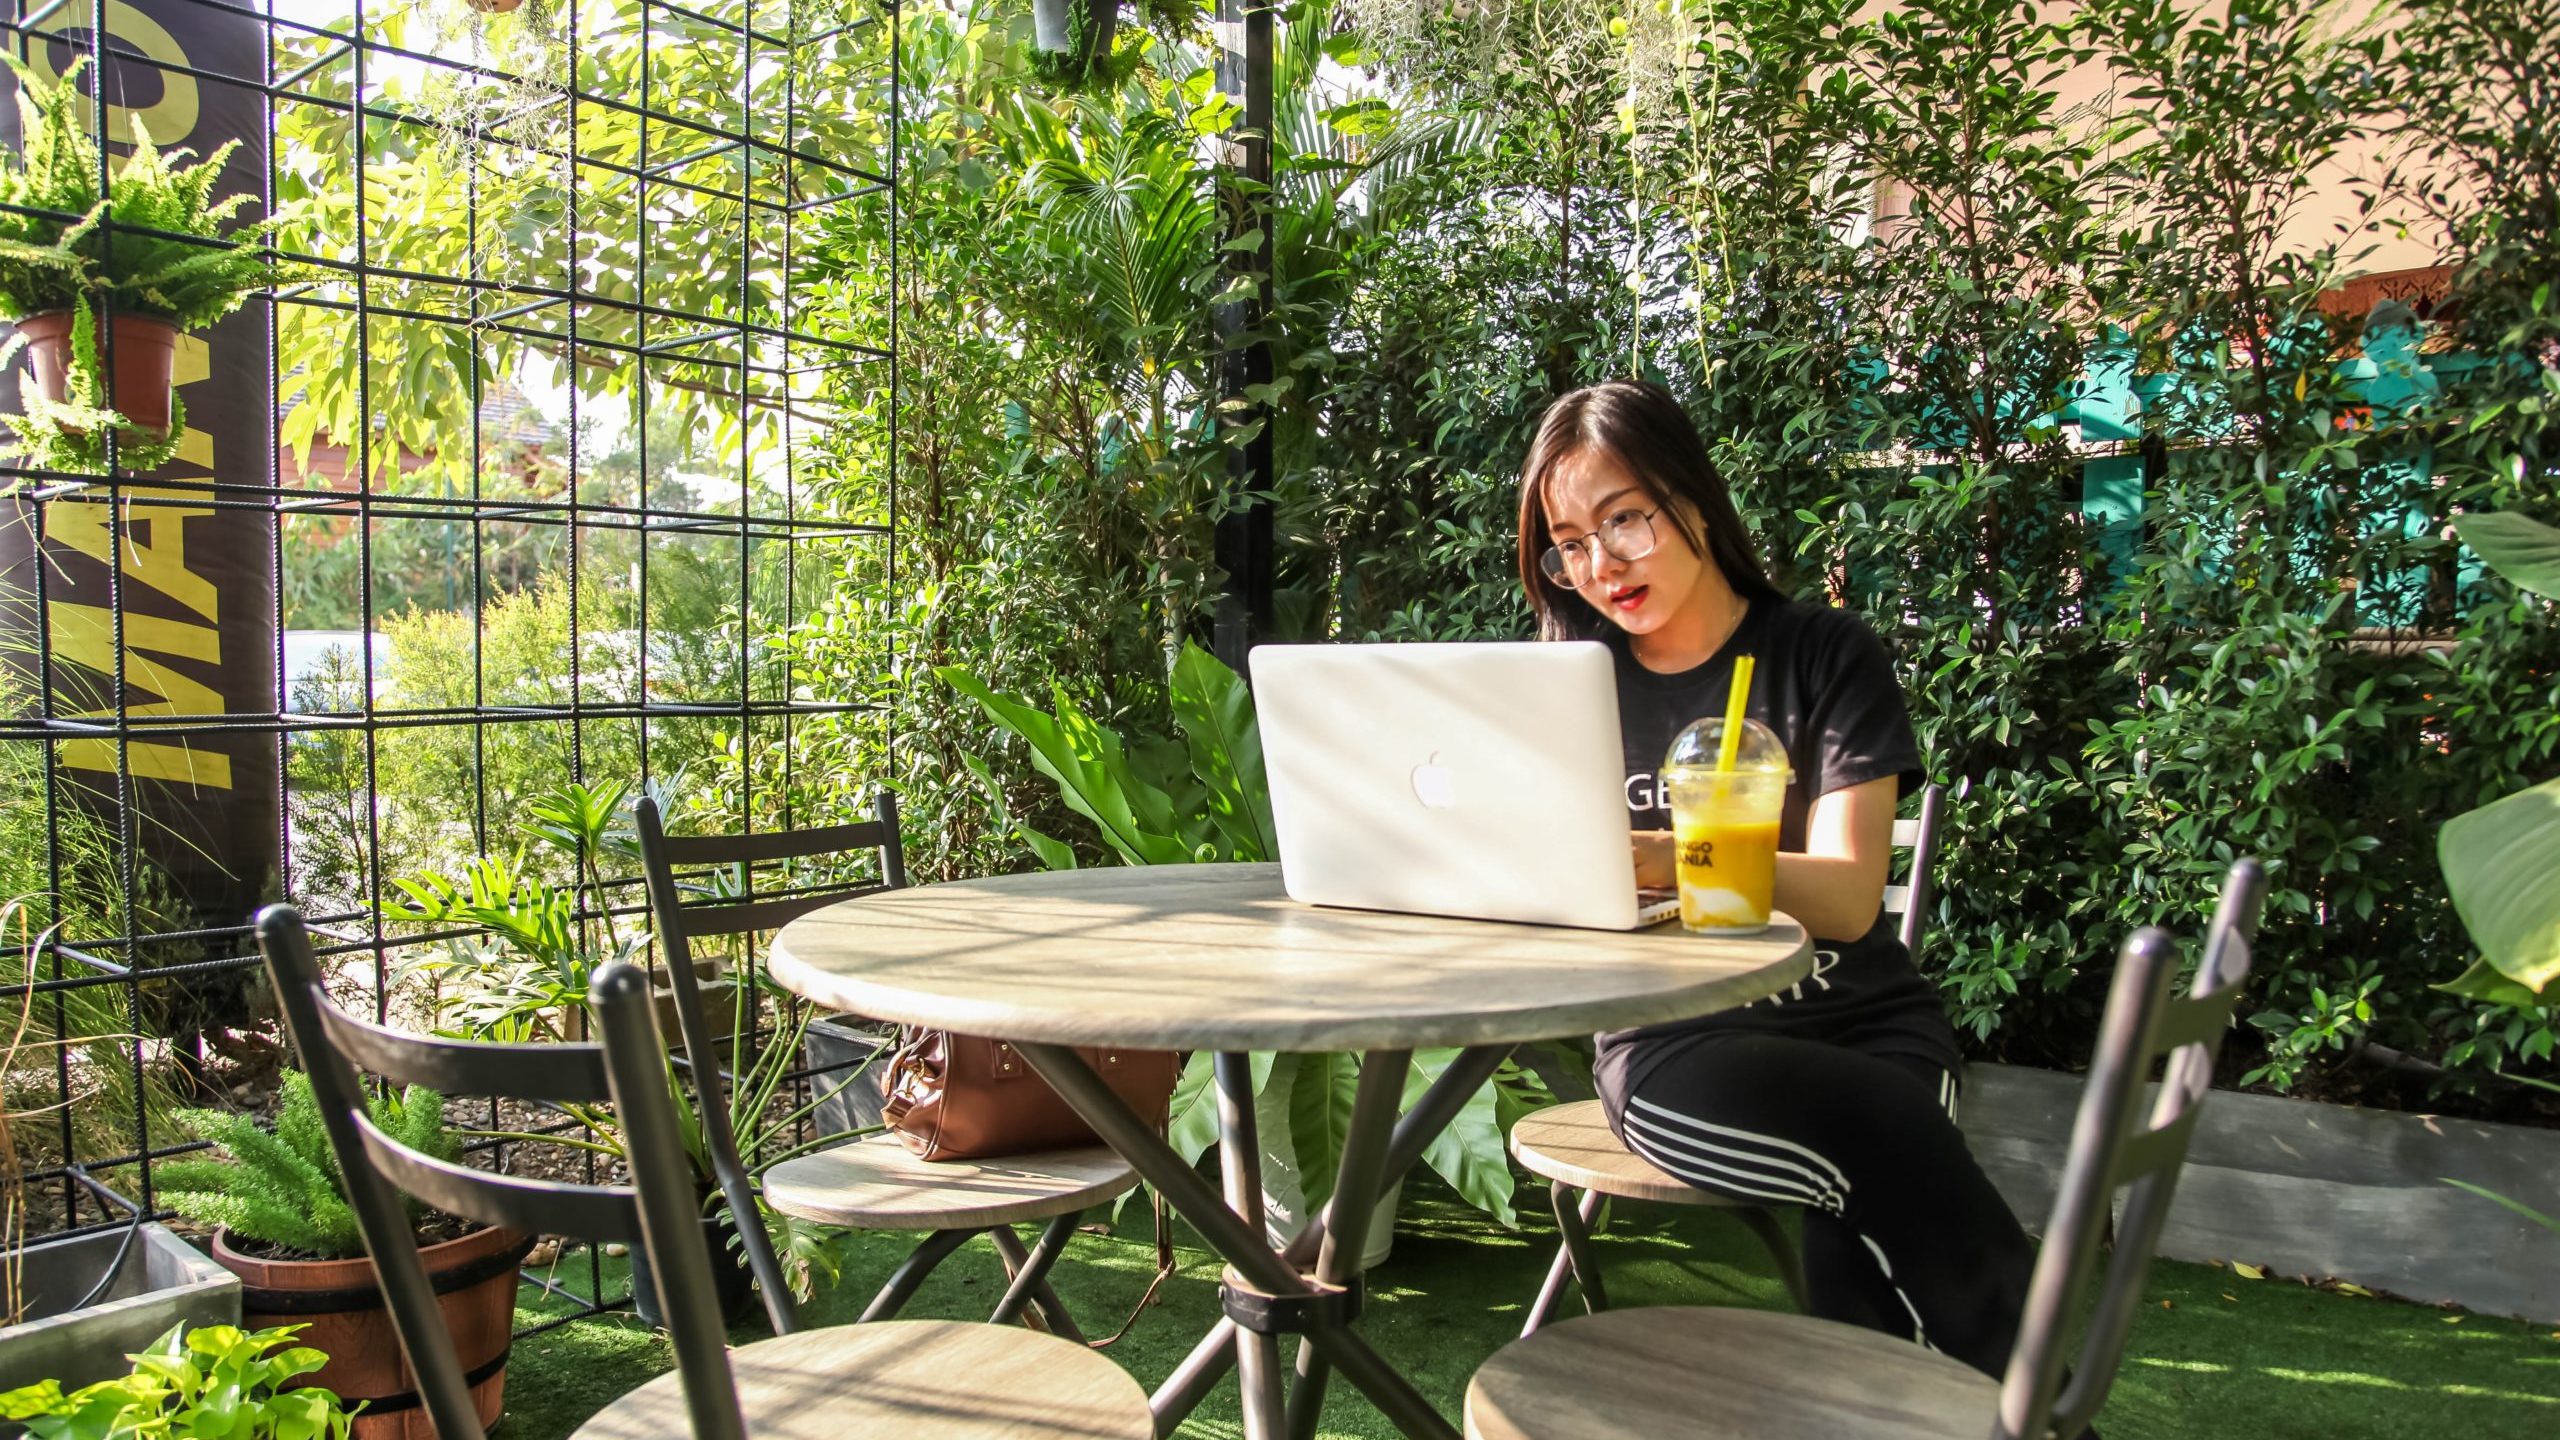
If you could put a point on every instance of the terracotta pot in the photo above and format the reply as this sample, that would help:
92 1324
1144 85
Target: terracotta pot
475 1281
145 349
493 7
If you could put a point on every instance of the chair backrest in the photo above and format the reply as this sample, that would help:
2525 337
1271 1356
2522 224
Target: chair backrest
657 1211
2116 1147
678 925
1909 902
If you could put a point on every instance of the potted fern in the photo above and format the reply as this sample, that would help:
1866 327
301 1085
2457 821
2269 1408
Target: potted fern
147 256
284 1227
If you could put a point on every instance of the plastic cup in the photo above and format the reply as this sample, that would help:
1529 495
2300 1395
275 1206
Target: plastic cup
1724 828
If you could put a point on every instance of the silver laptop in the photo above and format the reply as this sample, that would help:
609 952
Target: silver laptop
1477 780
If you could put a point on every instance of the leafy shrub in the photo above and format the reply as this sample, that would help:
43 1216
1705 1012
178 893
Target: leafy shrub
216 1382
2158 536
283 1187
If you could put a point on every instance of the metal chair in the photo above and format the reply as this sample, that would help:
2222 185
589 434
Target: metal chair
1713 1373
873 1183
1584 1161
911 1378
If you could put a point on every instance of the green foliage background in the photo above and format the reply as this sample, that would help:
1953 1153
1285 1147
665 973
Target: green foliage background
2157 533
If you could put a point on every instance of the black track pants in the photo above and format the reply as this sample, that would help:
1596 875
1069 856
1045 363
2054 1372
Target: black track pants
1902 1231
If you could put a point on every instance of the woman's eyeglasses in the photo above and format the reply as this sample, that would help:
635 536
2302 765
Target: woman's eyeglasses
1628 534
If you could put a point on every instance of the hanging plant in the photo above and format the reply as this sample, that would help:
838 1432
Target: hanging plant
137 254
64 409
1071 45
500 122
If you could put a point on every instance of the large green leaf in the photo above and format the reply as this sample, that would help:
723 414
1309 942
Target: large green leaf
1216 712
2482 981
1148 806
1469 1153
2518 1206
1052 854
1193 1131
2524 550
2502 863
1320 1097
1092 772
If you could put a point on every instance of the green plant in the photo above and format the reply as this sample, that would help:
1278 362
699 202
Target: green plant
524 974
1087 60
154 241
215 1382
1206 799
283 1187
2156 530
2502 861
765 1120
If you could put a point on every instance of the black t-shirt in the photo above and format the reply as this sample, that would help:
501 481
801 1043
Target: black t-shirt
1824 685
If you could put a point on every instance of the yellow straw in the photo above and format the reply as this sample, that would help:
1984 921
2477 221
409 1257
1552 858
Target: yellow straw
1731 749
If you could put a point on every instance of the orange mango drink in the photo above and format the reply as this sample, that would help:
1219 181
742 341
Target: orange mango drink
1725 780
1724 830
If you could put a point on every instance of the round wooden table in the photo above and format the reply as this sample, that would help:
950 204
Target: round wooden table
1216 958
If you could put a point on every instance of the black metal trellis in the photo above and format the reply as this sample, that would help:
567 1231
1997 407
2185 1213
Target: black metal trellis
753 358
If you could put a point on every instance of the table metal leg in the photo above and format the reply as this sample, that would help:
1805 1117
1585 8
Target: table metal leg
1375 1152
1394 1395
1240 1166
1193 1379
1356 1187
1430 1115
1138 1143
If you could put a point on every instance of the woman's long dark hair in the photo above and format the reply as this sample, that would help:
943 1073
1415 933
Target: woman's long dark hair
1640 426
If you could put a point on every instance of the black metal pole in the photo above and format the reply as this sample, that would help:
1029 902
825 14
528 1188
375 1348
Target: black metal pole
1244 548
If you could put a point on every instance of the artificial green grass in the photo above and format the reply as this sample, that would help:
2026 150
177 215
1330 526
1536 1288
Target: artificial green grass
2214 1355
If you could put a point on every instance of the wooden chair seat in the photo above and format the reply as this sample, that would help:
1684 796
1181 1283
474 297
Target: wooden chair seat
876 1183
1708 1374
1573 1145
914 1379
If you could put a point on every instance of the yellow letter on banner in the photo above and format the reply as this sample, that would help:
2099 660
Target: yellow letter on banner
85 634
159 561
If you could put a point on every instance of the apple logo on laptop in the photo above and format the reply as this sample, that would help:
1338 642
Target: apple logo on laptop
1433 786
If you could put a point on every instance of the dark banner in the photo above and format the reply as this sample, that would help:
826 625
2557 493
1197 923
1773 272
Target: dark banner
197 587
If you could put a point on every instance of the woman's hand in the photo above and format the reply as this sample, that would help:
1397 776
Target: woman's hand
1654 867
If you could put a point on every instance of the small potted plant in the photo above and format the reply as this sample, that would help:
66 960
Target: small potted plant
145 258
213 1380
285 1228
766 1116
519 947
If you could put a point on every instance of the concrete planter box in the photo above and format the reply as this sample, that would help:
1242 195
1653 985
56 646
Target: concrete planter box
2323 1192
852 1096
162 1281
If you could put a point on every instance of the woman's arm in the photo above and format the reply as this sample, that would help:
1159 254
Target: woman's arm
1836 886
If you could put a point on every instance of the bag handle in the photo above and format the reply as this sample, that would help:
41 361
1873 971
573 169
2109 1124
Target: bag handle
1164 1271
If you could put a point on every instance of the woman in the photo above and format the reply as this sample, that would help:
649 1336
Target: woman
1837 1095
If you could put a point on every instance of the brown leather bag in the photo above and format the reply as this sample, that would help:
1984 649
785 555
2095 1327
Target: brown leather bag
965 1097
